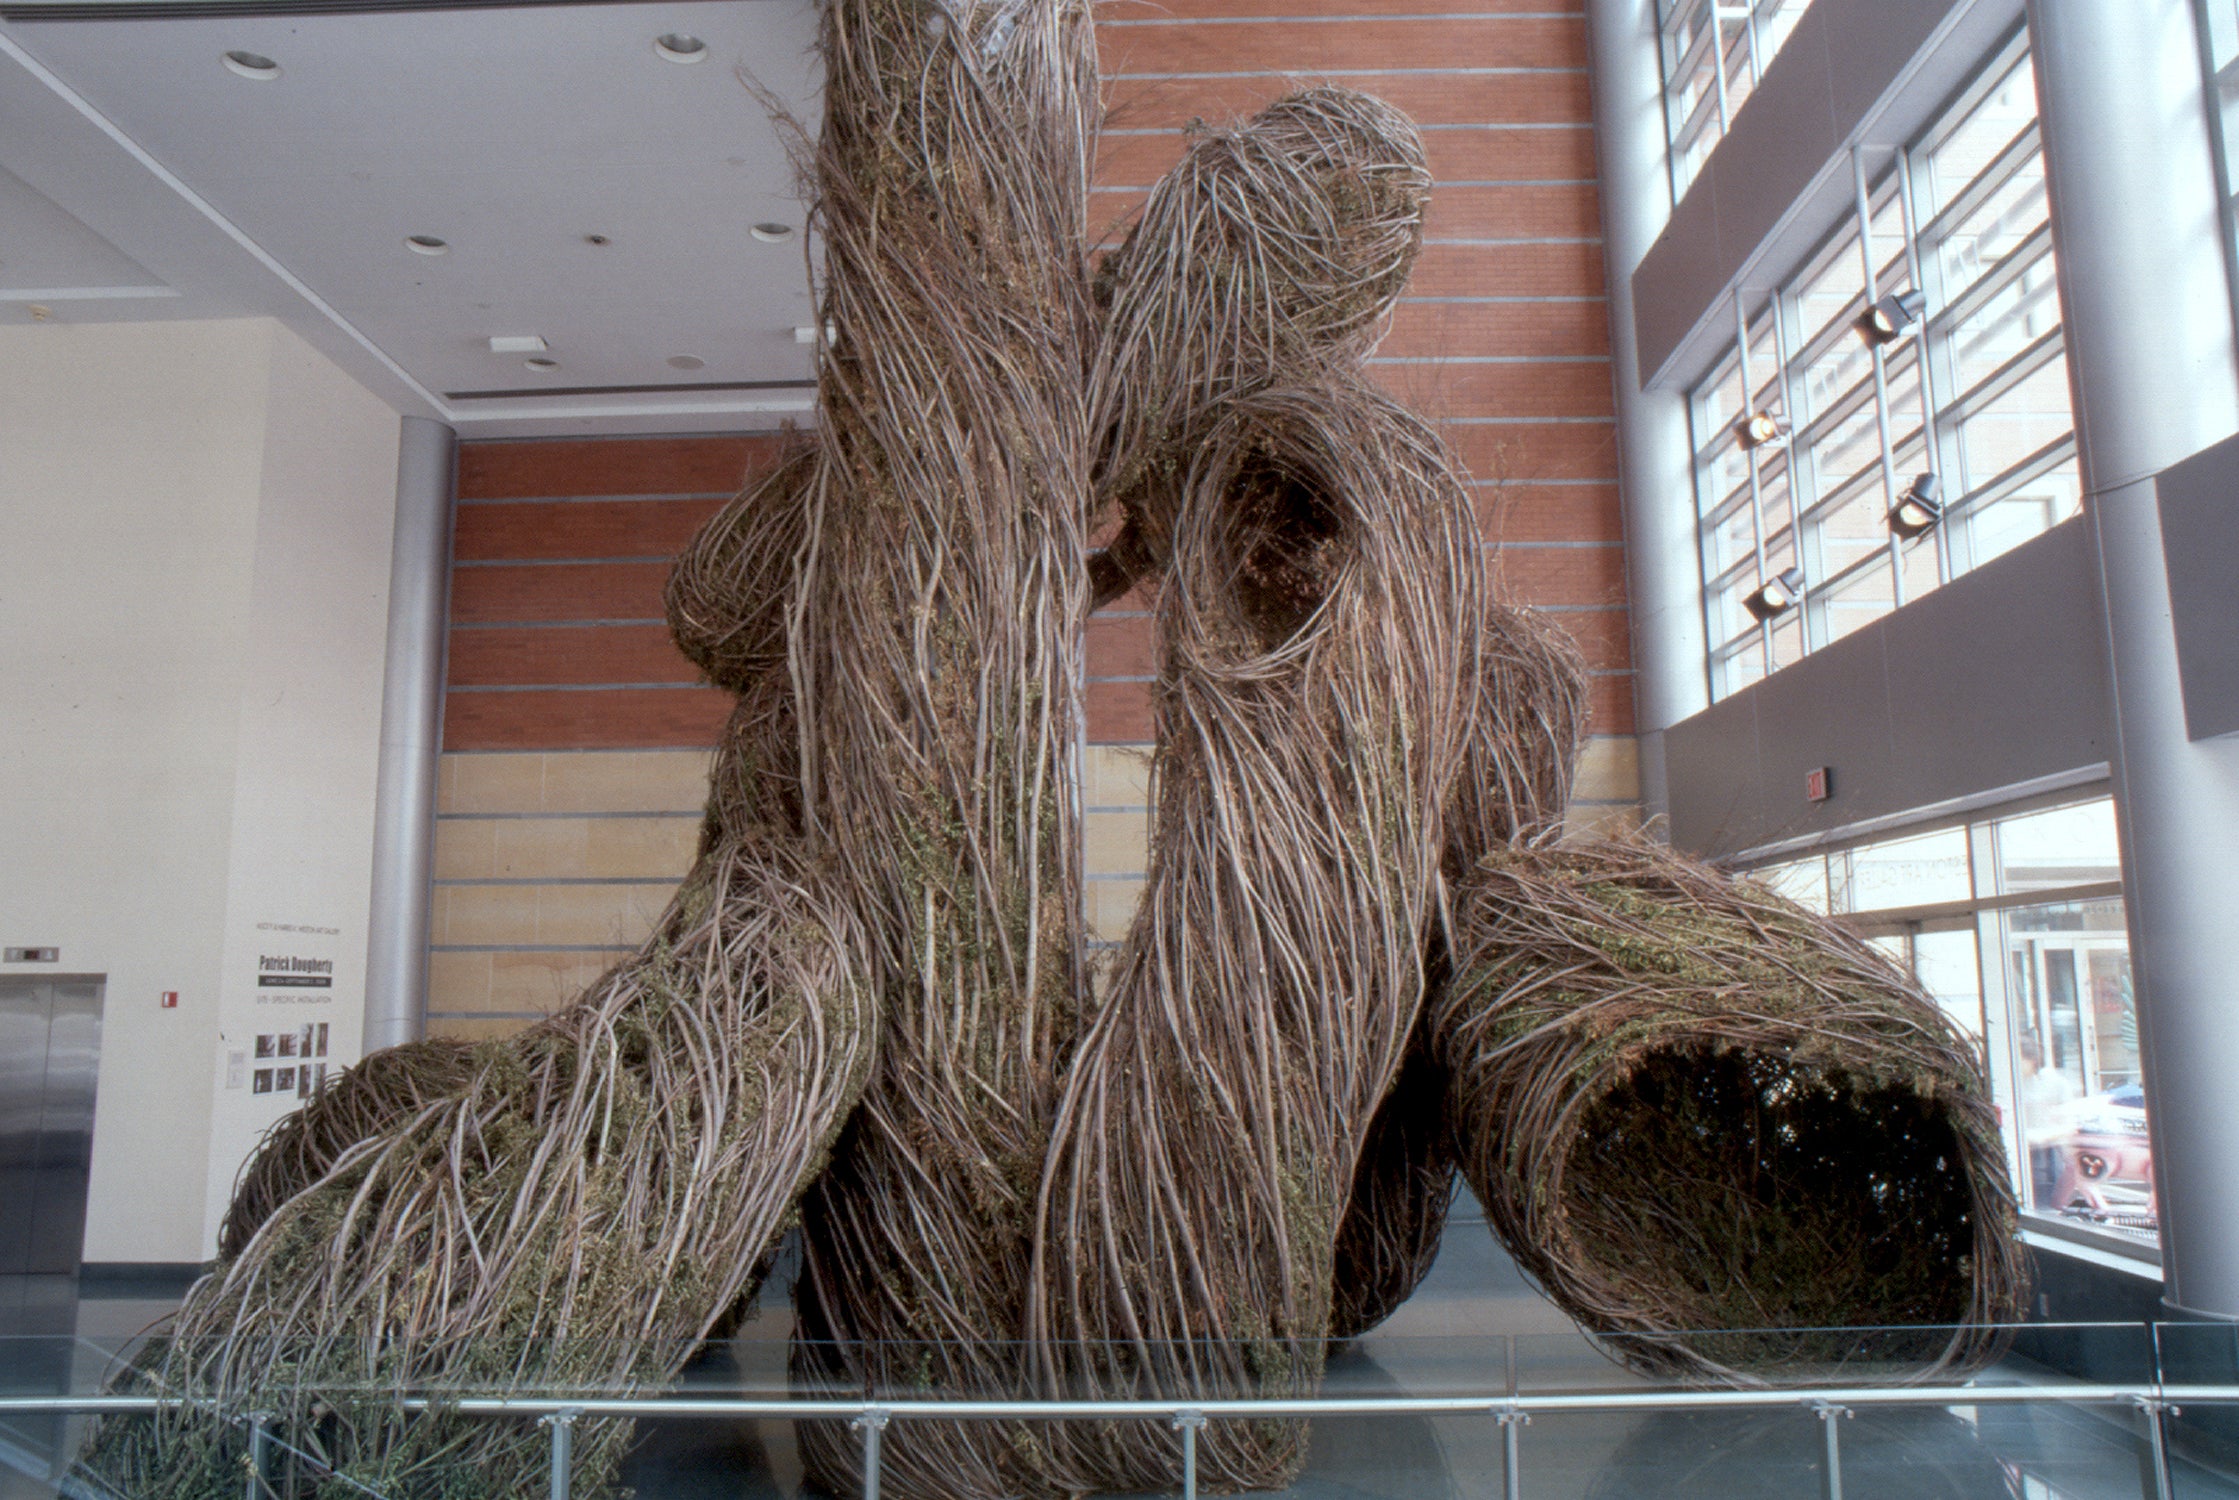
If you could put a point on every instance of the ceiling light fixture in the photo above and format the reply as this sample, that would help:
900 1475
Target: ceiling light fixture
542 366
427 244
1757 428
1894 316
1918 509
251 65
679 48
1776 597
518 343
686 362
596 239
770 232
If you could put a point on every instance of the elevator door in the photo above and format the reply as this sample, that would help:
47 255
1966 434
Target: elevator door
50 1047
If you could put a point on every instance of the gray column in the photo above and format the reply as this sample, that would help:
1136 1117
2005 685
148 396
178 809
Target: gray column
396 988
1663 572
2149 330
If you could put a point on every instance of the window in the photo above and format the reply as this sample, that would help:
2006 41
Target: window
1713 56
2015 924
1974 395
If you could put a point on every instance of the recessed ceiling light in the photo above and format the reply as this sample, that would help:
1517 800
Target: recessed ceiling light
542 366
596 239
518 343
771 232
251 65
679 48
427 244
686 362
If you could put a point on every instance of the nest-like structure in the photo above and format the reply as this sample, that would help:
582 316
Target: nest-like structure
1362 956
1717 1129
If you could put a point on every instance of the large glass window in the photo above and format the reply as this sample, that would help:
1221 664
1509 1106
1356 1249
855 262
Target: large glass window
1713 56
1814 431
2015 924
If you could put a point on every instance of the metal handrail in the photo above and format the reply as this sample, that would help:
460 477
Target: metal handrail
2152 1399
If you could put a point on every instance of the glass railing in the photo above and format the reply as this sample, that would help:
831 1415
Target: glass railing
1861 1412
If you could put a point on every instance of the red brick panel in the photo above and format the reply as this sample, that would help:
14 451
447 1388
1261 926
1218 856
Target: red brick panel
1549 512
1521 390
1427 98
541 470
579 528
1562 575
1524 452
1431 330
1493 153
1119 713
1570 268
539 658
1121 646
505 656
1352 42
1601 634
1609 702
556 719
537 592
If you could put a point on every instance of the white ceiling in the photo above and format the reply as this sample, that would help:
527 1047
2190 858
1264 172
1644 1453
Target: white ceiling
140 178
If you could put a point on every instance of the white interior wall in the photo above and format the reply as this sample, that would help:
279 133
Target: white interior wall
194 522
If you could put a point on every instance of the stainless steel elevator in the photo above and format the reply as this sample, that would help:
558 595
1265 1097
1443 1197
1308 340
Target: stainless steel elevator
50 1050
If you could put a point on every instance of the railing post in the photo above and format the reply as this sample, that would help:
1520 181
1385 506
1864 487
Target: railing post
1187 1422
1512 1423
1829 1415
254 1463
562 1423
873 1426
2154 1409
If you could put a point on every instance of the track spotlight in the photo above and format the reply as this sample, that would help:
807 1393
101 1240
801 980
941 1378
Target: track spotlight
1894 316
1917 510
1757 428
1777 596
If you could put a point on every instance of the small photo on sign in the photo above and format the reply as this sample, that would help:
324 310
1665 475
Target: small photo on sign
322 1043
283 1080
286 1040
264 1044
303 1082
303 1039
263 1083
319 1085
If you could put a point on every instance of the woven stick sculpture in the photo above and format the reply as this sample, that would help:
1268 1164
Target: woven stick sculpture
1689 1105
1362 958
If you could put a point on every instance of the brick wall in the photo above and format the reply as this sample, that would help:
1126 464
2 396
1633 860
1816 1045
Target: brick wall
1503 336
575 737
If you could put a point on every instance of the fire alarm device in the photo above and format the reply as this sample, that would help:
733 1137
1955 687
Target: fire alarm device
1819 784
170 999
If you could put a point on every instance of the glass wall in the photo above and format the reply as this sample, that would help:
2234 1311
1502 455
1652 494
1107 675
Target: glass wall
1813 430
1713 56
2015 924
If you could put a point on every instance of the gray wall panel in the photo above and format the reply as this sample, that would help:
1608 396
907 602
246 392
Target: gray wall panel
1781 140
2005 682
1996 679
1683 272
2199 502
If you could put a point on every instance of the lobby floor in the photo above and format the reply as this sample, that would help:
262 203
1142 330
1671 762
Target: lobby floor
1473 1326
